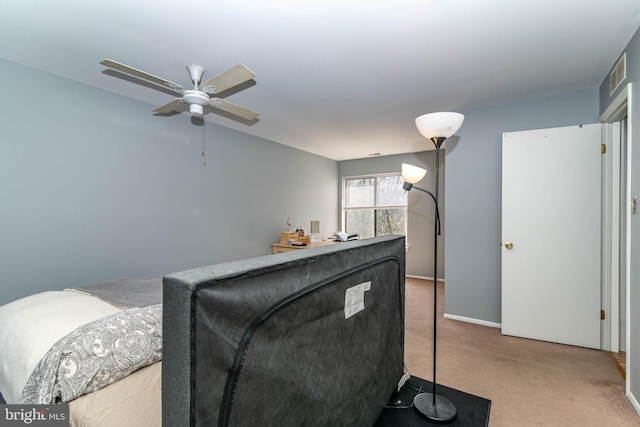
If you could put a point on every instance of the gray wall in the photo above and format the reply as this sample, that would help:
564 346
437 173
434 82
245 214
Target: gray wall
473 187
420 225
94 187
633 76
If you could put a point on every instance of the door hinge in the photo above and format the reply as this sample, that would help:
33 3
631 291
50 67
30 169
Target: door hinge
603 148
602 315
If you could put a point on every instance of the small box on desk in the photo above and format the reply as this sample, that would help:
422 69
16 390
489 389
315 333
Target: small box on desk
286 236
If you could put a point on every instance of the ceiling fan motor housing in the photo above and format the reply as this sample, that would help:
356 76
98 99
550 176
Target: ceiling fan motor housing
196 100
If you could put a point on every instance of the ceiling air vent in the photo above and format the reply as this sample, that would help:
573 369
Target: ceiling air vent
618 74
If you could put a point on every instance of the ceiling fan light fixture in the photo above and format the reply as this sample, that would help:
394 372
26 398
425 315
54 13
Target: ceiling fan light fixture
196 100
196 110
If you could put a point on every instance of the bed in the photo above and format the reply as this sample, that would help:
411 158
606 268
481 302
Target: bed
313 337
86 346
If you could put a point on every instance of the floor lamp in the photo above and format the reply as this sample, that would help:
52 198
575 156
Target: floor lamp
437 127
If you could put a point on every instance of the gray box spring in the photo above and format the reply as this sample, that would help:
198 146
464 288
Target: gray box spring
265 341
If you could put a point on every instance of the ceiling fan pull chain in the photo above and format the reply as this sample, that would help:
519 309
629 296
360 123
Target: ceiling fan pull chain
204 147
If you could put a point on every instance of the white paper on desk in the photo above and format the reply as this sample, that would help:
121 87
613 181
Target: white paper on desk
342 236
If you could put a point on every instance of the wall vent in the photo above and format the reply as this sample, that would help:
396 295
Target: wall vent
618 74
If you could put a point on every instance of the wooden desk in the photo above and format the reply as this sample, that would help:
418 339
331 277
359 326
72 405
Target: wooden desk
277 248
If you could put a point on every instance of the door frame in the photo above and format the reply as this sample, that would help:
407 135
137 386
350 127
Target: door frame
618 109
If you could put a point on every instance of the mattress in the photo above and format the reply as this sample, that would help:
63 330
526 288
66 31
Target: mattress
133 401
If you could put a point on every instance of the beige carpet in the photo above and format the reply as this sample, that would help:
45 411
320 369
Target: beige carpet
530 383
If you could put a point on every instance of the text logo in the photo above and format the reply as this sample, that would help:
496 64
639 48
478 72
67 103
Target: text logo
34 415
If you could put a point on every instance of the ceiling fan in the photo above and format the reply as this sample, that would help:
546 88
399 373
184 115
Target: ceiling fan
197 100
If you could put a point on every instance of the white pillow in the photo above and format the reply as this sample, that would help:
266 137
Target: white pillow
31 325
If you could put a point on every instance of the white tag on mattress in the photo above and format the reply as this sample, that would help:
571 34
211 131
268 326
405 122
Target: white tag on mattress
354 299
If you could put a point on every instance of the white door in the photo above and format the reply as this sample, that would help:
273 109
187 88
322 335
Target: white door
551 210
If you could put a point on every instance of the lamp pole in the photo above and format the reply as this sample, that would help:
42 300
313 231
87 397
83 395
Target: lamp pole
436 127
437 142
432 406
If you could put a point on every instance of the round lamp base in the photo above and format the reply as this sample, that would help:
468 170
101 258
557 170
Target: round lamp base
442 412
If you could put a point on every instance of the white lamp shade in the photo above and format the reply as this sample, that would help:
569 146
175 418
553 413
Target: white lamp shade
412 174
443 124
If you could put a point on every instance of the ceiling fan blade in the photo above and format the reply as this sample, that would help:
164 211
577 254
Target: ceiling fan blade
228 79
232 108
141 74
174 106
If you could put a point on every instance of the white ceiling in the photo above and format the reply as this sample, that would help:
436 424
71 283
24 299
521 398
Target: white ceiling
338 78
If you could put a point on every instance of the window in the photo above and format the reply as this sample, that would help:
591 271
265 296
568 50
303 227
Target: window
374 205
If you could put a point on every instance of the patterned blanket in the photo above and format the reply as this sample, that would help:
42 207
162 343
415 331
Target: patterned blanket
96 355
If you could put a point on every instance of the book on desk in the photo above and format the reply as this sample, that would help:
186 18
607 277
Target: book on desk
344 237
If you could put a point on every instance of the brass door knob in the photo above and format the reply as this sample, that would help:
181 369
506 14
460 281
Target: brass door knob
508 245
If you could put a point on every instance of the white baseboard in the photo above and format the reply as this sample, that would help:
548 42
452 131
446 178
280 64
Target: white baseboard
633 401
472 320
422 277
454 317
